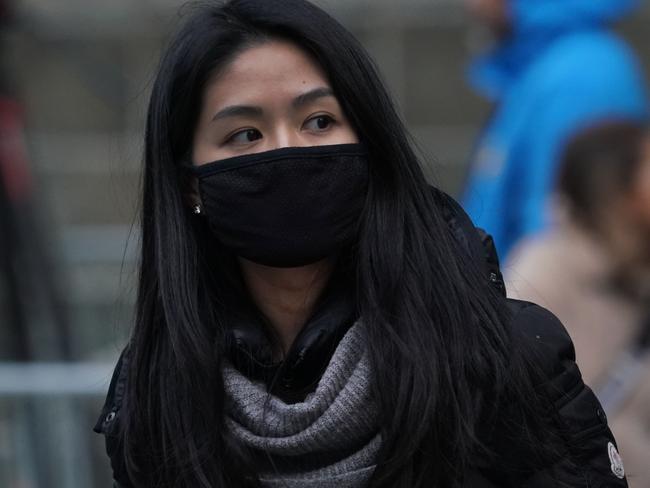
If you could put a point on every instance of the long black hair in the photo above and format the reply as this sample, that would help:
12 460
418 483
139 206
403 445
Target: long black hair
436 330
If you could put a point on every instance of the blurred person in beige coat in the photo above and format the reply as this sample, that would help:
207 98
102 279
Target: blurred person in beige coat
593 271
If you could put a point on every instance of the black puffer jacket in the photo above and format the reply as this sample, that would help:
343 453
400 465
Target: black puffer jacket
587 457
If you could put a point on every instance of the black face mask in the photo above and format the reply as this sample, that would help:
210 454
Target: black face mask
286 207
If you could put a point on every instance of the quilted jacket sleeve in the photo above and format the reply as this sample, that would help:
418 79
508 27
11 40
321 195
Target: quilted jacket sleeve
587 456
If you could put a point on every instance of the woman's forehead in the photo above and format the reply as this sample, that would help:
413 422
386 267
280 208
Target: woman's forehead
271 70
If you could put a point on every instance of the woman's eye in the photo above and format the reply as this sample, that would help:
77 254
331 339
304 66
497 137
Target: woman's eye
319 123
245 136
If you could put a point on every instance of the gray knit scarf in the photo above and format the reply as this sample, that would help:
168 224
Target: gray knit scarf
331 439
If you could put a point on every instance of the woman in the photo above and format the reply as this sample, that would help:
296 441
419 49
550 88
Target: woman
593 271
310 312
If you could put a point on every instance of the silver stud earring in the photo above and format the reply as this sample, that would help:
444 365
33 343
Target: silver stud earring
197 210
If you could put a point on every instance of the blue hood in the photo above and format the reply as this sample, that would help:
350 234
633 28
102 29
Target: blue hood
531 16
535 23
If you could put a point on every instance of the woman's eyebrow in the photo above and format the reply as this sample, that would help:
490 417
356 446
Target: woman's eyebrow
311 96
238 111
253 111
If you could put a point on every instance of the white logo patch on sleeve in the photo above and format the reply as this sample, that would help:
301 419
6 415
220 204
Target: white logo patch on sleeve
617 462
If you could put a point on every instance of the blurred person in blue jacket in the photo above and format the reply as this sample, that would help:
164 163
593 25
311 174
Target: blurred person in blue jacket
554 68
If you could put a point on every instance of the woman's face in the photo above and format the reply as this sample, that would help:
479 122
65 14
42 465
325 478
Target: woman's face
640 197
628 219
270 96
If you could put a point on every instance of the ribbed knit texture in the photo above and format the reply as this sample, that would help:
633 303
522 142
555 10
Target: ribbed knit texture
331 439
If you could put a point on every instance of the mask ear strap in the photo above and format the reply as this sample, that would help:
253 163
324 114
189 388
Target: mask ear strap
191 187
